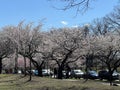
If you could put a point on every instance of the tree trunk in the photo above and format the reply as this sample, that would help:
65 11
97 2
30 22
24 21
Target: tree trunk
110 78
25 66
30 74
89 61
68 69
38 66
16 62
60 75
0 65
110 72
40 71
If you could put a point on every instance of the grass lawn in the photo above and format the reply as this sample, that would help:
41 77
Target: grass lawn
17 82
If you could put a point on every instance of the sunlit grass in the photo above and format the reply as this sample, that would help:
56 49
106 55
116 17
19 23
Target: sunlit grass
18 82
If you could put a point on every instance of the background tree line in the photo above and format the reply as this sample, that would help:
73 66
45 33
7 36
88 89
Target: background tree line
96 44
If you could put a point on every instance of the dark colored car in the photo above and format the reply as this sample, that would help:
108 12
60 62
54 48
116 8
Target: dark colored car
36 72
105 75
91 75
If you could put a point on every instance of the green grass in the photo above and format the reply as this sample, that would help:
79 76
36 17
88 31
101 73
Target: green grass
17 82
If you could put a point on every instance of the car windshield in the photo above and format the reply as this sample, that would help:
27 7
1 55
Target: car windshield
77 71
92 72
43 71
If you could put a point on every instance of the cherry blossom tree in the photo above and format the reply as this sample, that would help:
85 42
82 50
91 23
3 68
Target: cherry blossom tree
67 44
6 48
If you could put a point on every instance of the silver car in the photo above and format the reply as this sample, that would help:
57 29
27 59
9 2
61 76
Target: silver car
77 73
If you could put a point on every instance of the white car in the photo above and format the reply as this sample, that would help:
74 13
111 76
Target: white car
77 73
46 72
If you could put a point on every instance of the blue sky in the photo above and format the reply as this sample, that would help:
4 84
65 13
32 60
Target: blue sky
14 11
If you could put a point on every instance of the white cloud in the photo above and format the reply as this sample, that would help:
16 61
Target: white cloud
64 22
87 24
75 26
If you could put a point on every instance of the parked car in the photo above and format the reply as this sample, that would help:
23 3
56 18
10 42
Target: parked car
76 73
66 74
104 74
91 75
19 72
29 72
36 72
45 72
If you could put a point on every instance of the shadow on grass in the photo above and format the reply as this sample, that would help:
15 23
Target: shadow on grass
7 79
85 80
